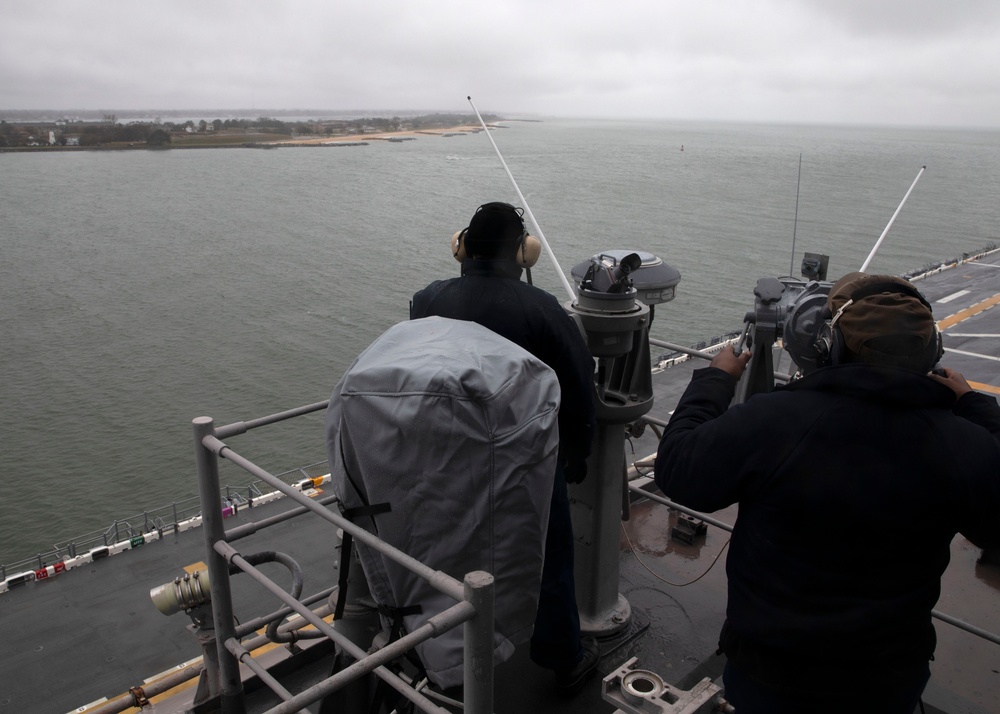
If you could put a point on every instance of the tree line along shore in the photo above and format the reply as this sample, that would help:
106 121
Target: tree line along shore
109 133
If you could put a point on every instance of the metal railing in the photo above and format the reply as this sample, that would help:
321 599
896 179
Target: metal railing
167 519
638 489
473 598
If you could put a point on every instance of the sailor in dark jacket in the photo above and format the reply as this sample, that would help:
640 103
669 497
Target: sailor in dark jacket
493 250
851 484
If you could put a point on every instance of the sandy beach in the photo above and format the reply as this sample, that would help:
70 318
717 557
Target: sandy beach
383 136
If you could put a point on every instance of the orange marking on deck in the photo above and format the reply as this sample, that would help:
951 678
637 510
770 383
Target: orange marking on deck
968 312
190 569
980 387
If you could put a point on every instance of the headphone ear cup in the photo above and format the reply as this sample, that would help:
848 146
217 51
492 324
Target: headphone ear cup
458 245
824 338
529 252
837 348
938 348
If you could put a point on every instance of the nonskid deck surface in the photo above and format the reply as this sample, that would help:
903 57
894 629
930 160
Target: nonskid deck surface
92 632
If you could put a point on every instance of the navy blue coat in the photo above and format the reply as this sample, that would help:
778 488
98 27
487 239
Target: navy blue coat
491 293
851 484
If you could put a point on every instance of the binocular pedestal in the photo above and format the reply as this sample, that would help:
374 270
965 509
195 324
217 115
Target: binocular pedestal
617 330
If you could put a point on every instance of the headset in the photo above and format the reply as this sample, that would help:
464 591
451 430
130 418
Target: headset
529 247
830 345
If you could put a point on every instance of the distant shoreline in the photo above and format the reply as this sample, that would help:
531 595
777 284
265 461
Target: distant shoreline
267 141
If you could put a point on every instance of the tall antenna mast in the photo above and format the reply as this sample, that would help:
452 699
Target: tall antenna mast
871 255
795 223
527 209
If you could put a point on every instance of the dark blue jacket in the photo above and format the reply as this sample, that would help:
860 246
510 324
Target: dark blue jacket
851 484
491 293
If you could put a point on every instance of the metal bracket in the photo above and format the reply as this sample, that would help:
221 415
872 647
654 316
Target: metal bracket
639 691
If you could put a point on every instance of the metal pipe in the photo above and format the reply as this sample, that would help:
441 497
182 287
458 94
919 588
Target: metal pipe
437 579
241 427
253 625
678 507
681 348
662 423
248 529
230 686
447 619
164 684
175 679
247 659
366 664
963 625
478 644
527 208
871 255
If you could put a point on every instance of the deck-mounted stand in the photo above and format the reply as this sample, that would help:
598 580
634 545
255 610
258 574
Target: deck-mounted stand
616 324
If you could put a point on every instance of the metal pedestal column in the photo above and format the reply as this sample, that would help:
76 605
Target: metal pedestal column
597 515
617 334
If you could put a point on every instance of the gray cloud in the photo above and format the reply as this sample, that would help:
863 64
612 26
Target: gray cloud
856 61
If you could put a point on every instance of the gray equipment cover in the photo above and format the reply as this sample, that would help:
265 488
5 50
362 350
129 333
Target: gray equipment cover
456 428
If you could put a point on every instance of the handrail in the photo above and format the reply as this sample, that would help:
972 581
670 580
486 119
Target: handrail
166 518
942 616
474 597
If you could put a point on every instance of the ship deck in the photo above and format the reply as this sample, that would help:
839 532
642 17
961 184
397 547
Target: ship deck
91 633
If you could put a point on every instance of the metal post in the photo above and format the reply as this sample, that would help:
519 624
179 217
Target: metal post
597 520
478 632
617 329
230 685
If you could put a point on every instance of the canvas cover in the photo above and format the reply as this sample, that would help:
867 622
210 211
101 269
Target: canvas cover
456 428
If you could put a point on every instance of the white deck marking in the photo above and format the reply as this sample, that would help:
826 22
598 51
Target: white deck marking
968 312
985 265
972 354
953 296
974 334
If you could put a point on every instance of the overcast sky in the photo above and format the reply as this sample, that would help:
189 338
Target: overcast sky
897 62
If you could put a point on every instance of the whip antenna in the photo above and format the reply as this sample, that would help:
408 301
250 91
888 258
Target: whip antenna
795 223
527 209
889 225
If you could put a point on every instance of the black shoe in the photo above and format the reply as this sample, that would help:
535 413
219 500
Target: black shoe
571 681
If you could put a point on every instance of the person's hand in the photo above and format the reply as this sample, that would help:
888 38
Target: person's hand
729 362
951 379
575 471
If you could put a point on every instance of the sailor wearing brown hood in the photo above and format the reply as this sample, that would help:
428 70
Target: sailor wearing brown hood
821 617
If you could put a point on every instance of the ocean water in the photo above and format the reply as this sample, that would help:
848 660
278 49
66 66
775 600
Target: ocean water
139 290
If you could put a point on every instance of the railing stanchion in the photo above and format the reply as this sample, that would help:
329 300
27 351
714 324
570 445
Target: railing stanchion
230 686
478 642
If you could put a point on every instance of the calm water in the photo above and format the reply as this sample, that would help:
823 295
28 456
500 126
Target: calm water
141 289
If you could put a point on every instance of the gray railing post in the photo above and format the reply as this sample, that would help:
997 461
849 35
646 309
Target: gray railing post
478 665
230 686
